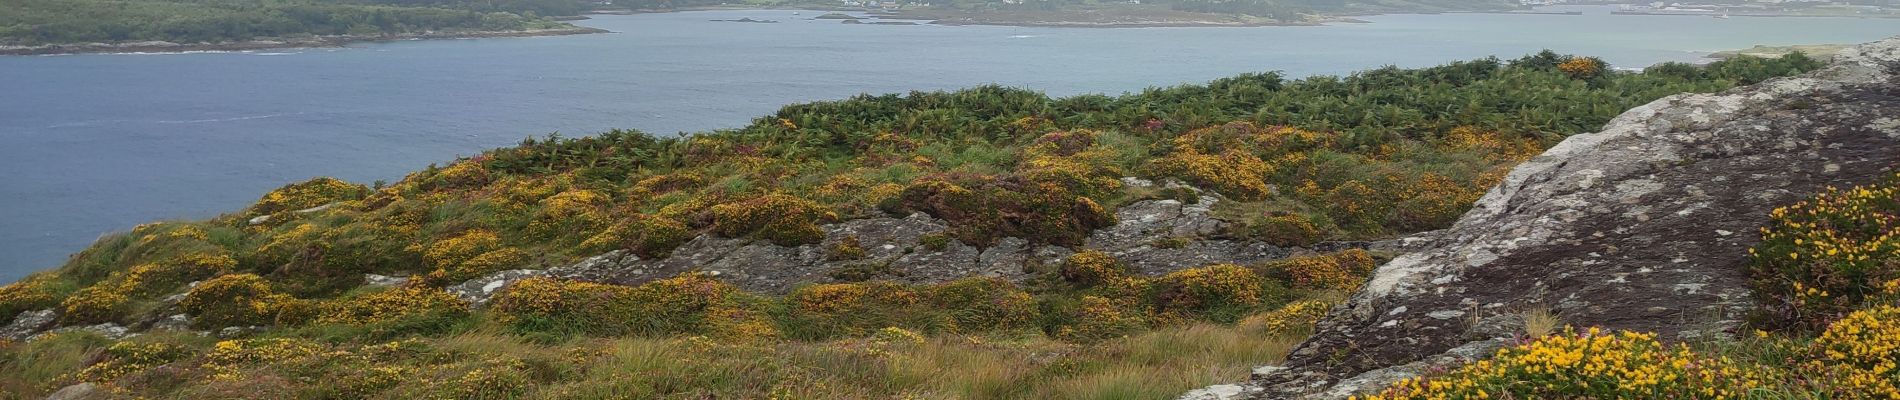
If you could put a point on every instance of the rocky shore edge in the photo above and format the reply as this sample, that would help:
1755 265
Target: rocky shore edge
279 43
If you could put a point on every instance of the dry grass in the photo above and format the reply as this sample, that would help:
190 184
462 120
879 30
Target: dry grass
1156 365
1540 322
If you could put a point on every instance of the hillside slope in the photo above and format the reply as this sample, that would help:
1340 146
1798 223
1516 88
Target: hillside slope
1080 240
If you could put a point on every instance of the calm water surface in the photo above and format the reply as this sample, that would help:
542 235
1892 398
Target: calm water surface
92 144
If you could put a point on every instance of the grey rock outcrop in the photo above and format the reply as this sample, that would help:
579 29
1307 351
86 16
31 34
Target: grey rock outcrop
895 249
1643 226
479 290
27 324
108 330
383 281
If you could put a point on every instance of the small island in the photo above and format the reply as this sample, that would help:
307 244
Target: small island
33 27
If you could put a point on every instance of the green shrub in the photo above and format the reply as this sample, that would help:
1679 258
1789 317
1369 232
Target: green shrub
981 304
1223 292
849 309
1096 319
844 249
935 241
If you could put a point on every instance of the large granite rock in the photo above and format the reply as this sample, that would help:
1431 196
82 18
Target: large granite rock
894 249
1643 226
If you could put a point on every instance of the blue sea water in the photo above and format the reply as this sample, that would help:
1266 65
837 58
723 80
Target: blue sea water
92 144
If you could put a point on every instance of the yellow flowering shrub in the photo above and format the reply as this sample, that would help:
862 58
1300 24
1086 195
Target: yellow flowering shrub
461 174
228 359
892 335
1859 356
1592 364
647 236
679 304
504 378
553 304
1233 172
307 194
780 218
667 183
233 300
978 304
1341 271
1091 267
1286 229
158 279
1581 67
1099 318
849 309
1294 317
95 304
846 248
450 253
1824 257
1496 146
688 303
1428 200
1218 292
478 266
31 293
1071 160
128 357
571 211
393 304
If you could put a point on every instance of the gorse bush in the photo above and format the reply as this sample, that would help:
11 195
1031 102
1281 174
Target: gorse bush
234 300
980 304
1859 355
782 219
851 309
307 194
391 305
687 304
1091 267
1341 271
1826 256
1222 292
1592 364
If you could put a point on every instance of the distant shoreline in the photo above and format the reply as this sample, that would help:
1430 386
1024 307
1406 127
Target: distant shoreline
162 47
1091 18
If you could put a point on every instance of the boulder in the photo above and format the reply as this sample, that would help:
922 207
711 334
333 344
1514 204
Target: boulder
77 391
1643 226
